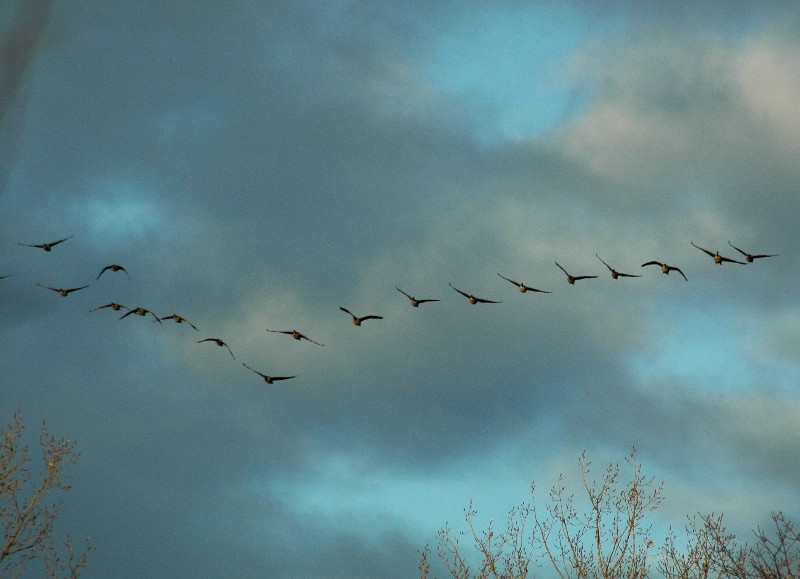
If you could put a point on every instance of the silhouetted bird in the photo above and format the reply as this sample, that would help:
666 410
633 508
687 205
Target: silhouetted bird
472 299
665 268
140 312
46 246
268 379
113 305
179 319
219 343
63 291
296 335
749 256
414 301
614 273
522 287
718 259
573 278
356 320
113 267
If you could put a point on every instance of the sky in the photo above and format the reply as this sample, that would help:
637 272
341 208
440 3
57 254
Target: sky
258 165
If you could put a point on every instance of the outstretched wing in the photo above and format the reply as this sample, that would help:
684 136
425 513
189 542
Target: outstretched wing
466 295
485 301
611 269
671 267
658 263
711 253
404 293
509 280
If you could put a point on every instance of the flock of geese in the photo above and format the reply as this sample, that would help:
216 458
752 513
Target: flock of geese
358 320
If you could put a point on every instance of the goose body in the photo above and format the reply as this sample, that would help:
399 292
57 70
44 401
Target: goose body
113 267
267 378
63 291
472 299
46 246
414 301
296 335
614 273
179 320
219 343
665 269
140 311
356 320
113 305
718 259
749 256
522 287
571 279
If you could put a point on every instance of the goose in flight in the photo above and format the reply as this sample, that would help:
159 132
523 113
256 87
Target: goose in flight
113 267
573 278
414 301
749 256
46 246
113 305
140 311
718 259
179 320
219 343
614 273
522 287
296 335
665 268
63 291
472 299
268 379
356 320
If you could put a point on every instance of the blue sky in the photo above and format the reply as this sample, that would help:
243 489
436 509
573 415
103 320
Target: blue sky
259 166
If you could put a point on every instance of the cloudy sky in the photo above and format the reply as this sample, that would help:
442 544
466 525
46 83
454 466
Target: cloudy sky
259 165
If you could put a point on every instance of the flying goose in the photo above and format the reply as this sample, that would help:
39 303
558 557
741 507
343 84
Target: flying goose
522 287
414 301
179 320
665 268
718 259
46 246
268 379
614 273
296 335
63 291
356 320
113 267
140 311
472 299
219 343
113 305
749 256
573 278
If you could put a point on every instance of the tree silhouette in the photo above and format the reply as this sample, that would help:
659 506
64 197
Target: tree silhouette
29 507
607 536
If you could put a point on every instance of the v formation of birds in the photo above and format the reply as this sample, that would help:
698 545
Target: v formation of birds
358 320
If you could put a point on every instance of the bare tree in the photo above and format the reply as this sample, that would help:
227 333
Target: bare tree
608 538
712 551
606 535
29 507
